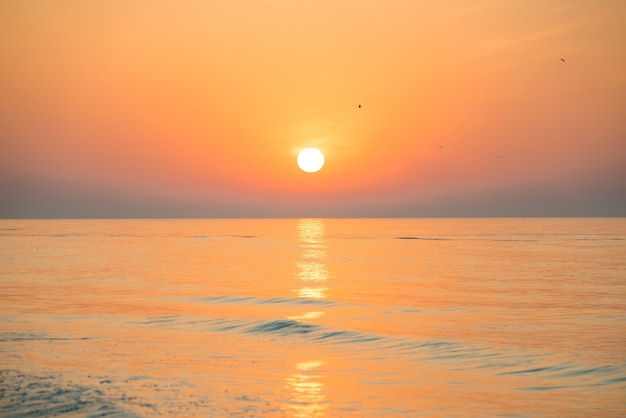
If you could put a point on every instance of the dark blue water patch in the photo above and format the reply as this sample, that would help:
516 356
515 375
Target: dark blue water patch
422 238
465 354
596 371
541 370
615 380
601 239
544 388
604 318
221 236
512 240
505 363
139 377
316 333
312 332
227 326
10 232
292 328
282 327
276 327
77 235
162 320
96 235
511 415
411 310
227 299
28 336
348 337
416 238
259 300
582 374
49 395
455 354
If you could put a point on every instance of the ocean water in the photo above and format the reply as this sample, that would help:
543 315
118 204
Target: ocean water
313 317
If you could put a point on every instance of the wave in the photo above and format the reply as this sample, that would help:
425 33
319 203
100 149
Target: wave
288 327
456 354
505 239
11 232
219 236
261 300
422 238
409 237
29 336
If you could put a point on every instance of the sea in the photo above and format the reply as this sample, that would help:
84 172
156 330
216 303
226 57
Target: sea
313 318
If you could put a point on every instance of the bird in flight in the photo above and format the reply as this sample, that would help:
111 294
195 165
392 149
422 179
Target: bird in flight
359 105
563 59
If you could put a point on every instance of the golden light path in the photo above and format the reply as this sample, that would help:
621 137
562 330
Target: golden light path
305 385
312 269
306 390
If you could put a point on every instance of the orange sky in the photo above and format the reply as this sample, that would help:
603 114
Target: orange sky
198 108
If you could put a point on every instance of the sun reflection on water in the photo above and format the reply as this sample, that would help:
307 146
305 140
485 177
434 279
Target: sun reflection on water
312 292
306 390
311 268
306 316
306 396
312 271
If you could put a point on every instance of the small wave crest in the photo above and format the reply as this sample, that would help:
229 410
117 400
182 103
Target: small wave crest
288 327
283 327
369 344
580 373
421 238
503 239
32 336
261 300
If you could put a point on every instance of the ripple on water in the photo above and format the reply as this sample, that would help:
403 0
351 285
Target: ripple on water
27 395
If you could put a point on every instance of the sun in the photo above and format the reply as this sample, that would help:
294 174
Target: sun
310 160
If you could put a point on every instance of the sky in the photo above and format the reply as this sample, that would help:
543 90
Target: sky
469 108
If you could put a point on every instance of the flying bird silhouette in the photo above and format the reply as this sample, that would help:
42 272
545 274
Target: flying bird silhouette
563 59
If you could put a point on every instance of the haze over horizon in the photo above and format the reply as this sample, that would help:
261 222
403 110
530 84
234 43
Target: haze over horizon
132 109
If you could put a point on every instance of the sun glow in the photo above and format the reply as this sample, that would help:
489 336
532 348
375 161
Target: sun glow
310 160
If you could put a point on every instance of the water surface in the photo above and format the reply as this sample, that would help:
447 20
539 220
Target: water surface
313 317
